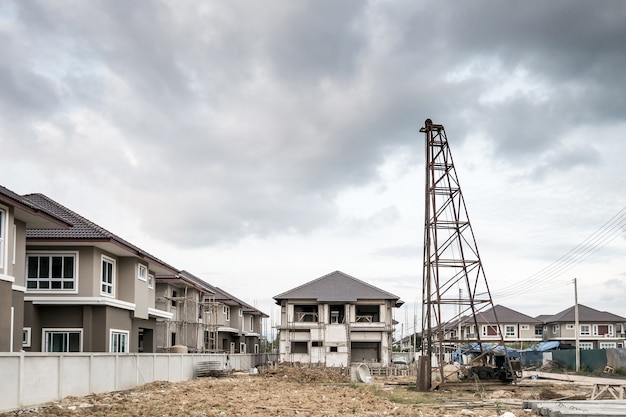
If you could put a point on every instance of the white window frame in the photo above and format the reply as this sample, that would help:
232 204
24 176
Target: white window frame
510 330
585 345
586 332
252 323
107 289
50 255
14 242
227 312
608 345
142 272
555 328
151 281
525 327
609 329
3 227
242 347
240 312
46 331
26 337
569 326
115 337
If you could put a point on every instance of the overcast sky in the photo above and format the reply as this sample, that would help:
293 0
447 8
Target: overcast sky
260 145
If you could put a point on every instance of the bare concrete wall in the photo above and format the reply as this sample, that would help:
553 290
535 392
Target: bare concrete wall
82 374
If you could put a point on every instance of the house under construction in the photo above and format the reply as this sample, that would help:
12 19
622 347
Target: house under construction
204 318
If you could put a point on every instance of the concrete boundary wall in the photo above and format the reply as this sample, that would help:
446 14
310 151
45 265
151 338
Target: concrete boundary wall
29 379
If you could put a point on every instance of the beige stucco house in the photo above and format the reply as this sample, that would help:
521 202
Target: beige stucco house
86 289
596 329
16 214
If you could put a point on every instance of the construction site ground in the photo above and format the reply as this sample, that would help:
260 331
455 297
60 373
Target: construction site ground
305 392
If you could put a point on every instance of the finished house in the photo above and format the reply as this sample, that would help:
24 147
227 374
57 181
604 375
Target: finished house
86 289
517 329
596 329
17 214
335 320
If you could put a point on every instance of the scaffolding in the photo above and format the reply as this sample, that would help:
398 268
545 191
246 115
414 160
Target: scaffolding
194 321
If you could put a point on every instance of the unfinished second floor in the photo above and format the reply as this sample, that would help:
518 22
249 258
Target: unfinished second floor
337 299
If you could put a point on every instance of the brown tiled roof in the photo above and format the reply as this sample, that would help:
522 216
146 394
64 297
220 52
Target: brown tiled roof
30 212
81 229
337 287
505 315
585 314
218 293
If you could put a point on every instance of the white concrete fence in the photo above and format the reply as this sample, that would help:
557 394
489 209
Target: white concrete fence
29 379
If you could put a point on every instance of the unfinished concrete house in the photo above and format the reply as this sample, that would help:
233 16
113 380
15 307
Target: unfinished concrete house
194 313
336 320
205 318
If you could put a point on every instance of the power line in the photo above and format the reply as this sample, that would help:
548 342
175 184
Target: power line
540 280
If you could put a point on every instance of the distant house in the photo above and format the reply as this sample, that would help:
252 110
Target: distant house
596 330
515 327
17 214
335 320
240 325
86 289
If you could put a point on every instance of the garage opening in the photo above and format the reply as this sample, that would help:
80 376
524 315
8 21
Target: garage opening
365 351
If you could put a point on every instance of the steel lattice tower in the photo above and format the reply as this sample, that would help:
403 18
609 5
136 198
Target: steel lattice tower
455 288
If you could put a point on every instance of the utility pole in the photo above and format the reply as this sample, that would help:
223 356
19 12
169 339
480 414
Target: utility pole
576 326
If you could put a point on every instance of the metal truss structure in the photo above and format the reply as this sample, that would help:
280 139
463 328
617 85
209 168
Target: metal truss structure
455 293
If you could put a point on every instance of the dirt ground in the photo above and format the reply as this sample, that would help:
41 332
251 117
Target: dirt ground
295 392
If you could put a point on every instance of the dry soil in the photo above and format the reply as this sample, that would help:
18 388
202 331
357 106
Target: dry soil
298 392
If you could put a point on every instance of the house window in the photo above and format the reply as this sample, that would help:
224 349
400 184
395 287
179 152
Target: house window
337 313
108 276
569 326
490 330
63 340
142 272
306 313
607 345
256 348
317 343
51 272
299 347
538 331
585 345
119 341
150 281
585 330
525 327
251 323
173 339
240 312
26 337
509 331
227 312
367 313
333 349
555 328
603 330
173 300
242 348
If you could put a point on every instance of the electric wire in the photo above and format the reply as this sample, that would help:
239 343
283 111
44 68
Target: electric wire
541 280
